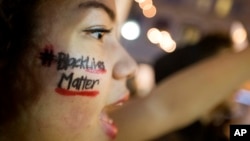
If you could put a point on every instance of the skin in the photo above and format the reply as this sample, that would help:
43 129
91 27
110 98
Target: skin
54 116
177 101
62 25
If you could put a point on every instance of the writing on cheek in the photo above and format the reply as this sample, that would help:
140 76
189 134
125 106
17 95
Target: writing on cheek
90 65
69 83
65 62
71 86
47 57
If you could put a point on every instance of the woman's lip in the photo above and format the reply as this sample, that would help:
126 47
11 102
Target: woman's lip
122 100
108 126
117 104
107 123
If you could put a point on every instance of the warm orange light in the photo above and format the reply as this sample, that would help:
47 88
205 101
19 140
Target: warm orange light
168 46
144 79
145 3
147 6
239 36
167 43
149 13
139 1
154 35
223 7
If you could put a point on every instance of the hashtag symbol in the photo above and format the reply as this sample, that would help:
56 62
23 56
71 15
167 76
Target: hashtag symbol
47 56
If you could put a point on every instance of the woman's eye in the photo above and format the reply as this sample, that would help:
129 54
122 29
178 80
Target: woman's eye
97 33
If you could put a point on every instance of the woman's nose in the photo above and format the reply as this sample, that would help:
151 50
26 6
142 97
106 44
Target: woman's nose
125 67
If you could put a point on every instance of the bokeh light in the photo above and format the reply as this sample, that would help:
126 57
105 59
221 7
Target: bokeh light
154 35
145 3
144 79
149 12
223 7
239 36
130 30
167 43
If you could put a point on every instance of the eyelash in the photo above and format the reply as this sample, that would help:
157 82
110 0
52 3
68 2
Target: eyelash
97 33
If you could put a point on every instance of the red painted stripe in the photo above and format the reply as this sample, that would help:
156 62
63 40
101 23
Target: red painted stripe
74 93
96 71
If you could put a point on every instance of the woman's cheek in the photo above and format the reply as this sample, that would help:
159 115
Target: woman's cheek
79 75
78 88
80 116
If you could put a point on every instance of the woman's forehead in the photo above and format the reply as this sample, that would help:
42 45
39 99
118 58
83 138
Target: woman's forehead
58 7
74 3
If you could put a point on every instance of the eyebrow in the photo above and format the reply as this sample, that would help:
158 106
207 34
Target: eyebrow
95 4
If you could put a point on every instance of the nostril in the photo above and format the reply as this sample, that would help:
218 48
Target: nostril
133 73
133 66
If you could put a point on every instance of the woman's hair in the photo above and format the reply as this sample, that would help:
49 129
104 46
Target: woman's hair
18 84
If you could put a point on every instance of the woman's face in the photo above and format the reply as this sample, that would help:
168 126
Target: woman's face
83 69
